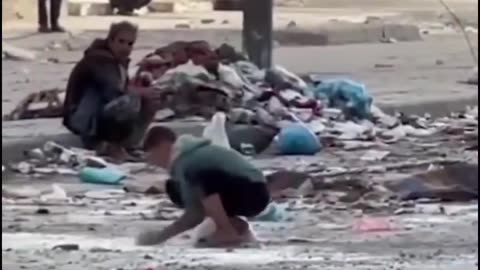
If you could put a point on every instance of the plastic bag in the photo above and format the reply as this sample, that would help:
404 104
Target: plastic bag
215 130
297 139
350 96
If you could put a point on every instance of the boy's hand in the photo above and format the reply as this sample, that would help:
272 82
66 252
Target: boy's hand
149 238
187 221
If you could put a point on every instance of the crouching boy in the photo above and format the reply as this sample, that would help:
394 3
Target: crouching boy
207 181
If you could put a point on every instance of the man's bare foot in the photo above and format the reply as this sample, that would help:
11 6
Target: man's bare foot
244 230
221 239
243 235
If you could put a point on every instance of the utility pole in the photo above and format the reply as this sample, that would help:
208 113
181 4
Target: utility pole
258 31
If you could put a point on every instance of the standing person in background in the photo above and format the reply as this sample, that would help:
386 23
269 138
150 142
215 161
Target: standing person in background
55 9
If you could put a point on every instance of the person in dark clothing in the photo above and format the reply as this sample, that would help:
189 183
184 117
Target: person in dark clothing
127 7
55 9
99 106
207 181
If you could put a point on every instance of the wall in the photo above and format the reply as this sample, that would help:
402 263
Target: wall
19 9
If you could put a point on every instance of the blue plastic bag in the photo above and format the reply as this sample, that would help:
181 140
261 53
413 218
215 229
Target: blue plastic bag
297 139
103 176
350 96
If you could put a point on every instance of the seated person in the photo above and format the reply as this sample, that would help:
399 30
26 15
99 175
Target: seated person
207 181
100 81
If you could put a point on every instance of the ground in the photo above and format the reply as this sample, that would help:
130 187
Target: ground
104 227
415 74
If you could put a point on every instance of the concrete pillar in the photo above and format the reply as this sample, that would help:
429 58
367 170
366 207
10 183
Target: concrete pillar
258 31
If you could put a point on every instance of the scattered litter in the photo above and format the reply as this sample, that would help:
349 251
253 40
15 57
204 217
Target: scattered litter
374 155
143 188
42 211
302 240
105 194
350 96
215 131
297 139
67 247
58 194
273 213
373 224
105 176
455 182
17 54
42 104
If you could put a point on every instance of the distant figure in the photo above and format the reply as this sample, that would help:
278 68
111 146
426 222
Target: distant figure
127 7
100 106
55 8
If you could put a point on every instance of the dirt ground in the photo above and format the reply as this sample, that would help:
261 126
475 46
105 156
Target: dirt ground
435 236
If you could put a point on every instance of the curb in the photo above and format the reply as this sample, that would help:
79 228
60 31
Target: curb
15 139
17 136
348 33
102 7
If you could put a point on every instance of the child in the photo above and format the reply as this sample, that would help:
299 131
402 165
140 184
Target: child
207 181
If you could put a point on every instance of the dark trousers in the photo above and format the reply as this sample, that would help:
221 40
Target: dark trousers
55 8
129 134
240 197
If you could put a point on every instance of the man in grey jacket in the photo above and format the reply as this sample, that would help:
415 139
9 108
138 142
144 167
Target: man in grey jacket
100 106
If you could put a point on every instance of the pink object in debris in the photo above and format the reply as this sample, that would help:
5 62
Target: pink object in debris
372 224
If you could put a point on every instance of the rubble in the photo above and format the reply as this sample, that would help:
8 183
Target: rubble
18 54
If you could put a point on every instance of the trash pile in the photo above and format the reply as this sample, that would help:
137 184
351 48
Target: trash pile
199 80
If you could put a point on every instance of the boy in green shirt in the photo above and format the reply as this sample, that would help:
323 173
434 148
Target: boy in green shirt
207 181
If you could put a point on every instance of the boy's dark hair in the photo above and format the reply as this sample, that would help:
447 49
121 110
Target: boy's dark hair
157 135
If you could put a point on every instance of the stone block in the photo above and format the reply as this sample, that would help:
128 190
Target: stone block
89 8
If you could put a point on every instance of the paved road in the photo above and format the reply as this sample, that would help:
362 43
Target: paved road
412 73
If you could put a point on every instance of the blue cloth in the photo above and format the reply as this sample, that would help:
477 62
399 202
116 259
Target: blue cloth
350 96
297 139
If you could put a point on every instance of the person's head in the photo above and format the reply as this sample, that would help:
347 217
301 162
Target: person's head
159 145
121 38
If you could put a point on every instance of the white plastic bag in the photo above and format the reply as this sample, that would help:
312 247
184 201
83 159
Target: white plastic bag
215 130
230 76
